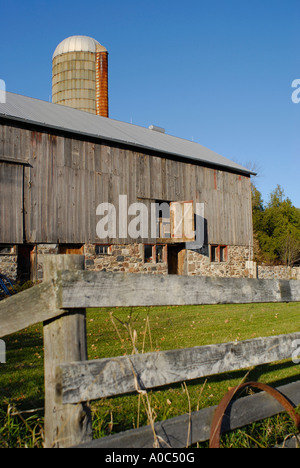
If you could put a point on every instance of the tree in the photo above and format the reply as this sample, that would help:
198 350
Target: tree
276 228
290 249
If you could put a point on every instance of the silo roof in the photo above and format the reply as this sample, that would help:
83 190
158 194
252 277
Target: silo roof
78 44
66 119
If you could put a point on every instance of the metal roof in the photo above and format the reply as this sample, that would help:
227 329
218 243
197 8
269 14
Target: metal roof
55 116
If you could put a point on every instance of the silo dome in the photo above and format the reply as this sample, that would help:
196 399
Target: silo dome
80 75
78 44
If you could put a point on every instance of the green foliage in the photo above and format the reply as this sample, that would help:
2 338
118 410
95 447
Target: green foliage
124 330
276 228
18 430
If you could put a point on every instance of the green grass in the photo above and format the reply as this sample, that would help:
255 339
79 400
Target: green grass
114 332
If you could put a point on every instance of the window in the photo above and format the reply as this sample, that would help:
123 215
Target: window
223 253
102 249
163 219
155 253
148 253
218 253
213 253
175 220
182 221
71 249
7 250
159 254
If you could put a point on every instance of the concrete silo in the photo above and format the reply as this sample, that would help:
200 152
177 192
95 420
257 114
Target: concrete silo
80 75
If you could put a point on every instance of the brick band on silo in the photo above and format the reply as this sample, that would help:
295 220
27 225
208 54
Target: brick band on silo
102 83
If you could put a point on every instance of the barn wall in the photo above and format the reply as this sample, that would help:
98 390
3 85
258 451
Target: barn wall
11 202
67 178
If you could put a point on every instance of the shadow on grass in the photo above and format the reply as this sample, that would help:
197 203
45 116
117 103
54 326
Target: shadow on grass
22 376
123 409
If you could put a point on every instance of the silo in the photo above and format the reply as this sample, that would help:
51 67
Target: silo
80 75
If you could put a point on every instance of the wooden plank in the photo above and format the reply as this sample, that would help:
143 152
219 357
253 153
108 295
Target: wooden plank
102 289
182 221
28 307
155 178
14 161
37 304
64 340
11 203
57 180
90 380
172 433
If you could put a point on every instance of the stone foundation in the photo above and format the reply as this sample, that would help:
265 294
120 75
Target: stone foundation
9 266
278 272
131 259
123 258
235 262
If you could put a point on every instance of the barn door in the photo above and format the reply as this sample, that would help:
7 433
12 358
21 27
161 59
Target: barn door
182 221
11 202
176 259
27 263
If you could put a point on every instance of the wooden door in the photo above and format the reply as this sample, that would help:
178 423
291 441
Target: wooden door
176 259
11 203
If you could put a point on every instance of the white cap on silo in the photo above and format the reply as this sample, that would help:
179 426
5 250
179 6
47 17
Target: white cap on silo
78 44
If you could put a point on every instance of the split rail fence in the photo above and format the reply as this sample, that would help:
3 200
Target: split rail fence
72 381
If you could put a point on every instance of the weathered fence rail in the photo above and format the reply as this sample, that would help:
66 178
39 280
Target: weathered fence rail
90 289
71 381
126 374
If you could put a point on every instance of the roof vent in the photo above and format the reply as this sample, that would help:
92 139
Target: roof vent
157 129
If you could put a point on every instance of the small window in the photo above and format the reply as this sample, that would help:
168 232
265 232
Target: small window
71 249
148 253
218 253
223 253
213 253
159 254
163 219
102 249
7 250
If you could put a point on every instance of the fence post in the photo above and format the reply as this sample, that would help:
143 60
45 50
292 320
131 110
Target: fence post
64 341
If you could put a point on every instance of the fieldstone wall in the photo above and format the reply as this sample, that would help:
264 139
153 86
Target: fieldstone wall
123 258
237 264
278 272
130 259
8 266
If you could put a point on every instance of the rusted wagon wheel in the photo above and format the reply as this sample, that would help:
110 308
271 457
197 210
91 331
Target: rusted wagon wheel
220 410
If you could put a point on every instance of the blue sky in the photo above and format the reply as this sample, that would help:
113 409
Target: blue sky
218 72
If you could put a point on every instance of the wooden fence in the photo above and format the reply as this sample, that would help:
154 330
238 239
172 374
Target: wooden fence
71 381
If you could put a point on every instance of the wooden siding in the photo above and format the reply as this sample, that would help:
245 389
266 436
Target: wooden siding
11 203
67 178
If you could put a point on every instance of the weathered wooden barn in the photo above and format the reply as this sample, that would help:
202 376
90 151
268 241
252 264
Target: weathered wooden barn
58 164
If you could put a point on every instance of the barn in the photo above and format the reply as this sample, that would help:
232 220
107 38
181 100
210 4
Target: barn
128 198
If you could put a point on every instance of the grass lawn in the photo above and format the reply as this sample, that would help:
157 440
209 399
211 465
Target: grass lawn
114 332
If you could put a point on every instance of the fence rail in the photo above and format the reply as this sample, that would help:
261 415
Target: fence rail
71 381
188 429
94 289
91 380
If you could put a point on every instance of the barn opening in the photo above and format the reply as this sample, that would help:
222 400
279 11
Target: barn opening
176 258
